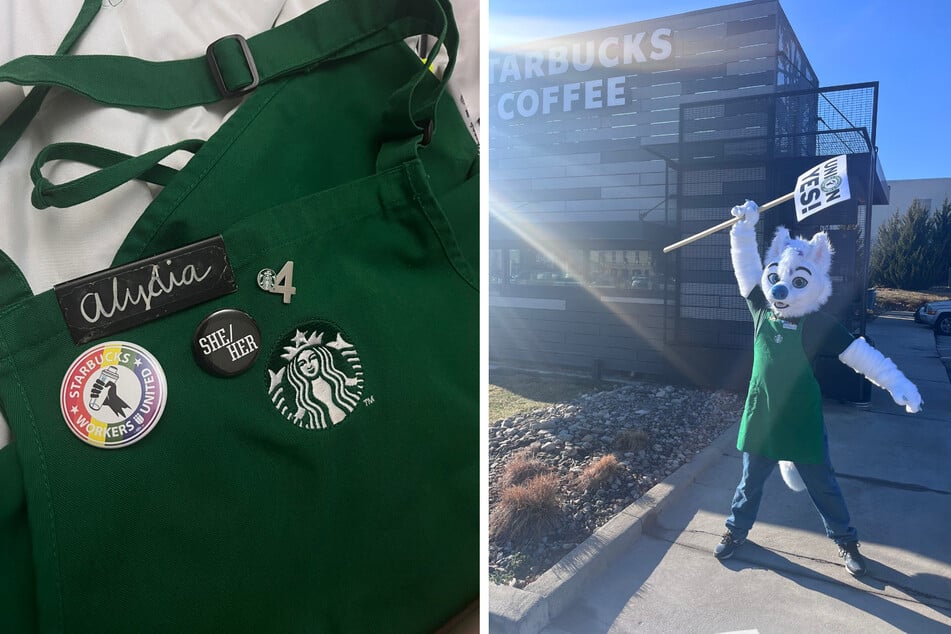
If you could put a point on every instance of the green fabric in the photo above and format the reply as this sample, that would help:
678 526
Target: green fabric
17 583
782 419
13 286
825 336
228 517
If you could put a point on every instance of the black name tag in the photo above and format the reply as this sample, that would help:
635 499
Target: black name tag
126 296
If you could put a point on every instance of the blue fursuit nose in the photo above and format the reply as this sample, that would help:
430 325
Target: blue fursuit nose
779 291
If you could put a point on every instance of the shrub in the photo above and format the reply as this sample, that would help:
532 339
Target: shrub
597 472
631 440
526 512
521 467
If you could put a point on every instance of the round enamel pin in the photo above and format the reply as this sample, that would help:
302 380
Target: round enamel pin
226 342
113 394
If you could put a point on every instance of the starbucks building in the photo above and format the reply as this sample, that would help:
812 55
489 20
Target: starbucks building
607 145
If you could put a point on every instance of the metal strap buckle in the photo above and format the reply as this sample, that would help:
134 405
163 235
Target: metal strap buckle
216 70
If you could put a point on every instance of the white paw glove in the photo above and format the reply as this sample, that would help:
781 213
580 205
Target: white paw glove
905 393
748 213
881 371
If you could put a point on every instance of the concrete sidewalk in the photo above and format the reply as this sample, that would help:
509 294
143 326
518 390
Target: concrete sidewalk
652 570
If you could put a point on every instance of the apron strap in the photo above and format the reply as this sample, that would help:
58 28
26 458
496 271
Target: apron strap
232 65
117 168
16 123
410 114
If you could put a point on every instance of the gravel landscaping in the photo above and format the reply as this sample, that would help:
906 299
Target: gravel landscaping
558 473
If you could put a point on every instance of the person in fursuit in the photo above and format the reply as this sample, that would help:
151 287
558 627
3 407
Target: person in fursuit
782 421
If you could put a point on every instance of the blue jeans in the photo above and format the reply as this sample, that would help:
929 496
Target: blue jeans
820 482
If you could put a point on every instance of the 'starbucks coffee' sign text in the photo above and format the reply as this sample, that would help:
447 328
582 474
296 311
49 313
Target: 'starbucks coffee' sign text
621 52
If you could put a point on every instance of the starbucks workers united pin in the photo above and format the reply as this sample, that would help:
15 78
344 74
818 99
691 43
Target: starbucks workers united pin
113 394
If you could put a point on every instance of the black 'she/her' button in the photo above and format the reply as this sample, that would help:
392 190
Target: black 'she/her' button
226 342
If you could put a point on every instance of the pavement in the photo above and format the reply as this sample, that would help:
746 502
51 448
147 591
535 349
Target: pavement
651 568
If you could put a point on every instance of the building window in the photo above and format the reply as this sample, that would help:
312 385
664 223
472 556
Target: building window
497 266
606 272
530 267
628 272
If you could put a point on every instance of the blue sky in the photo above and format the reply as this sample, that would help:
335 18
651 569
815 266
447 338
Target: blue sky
900 44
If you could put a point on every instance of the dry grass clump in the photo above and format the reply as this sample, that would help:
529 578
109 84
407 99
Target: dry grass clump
521 466
597 472
526 512
631 440
896 299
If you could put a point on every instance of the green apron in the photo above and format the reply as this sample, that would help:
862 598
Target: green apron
247 507
782 419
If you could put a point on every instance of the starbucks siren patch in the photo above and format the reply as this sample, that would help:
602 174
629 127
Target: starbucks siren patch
315 378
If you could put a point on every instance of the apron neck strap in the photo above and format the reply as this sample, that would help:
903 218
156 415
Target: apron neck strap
16 123
233 65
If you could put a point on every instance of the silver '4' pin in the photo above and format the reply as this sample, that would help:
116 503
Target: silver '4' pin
281 282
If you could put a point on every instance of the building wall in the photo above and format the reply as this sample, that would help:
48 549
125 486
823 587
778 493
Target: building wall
579 330
581 132
594 162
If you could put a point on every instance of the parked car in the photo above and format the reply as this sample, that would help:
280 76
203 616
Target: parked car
937 315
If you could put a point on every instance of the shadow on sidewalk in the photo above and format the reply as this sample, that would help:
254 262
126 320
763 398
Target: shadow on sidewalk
629 573
879 579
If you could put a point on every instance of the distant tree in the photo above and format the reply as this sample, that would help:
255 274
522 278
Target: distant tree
941 247
903 256
879 271
879 264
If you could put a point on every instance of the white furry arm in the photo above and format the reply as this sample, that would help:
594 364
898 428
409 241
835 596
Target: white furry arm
882 371
747 265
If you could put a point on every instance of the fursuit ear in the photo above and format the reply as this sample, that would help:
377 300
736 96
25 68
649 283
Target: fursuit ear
780 241
821 252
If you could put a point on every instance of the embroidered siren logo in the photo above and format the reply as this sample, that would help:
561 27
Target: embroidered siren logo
113 394
316 378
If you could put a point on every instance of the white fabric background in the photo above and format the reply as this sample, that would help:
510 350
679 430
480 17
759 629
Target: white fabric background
54 245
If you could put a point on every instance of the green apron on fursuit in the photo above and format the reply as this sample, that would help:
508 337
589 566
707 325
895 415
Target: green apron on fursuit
782 419
332 483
